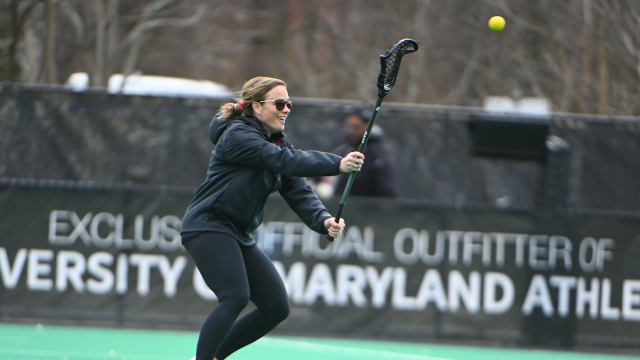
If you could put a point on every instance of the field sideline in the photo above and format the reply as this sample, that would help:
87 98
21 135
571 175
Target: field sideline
29 342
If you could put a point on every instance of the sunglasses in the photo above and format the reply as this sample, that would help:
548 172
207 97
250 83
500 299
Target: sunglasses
280 103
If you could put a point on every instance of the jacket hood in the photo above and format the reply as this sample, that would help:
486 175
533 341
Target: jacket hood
219 125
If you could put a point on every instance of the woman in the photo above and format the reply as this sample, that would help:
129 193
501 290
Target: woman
251 160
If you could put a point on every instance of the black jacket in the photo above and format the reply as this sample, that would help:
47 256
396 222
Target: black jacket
246 166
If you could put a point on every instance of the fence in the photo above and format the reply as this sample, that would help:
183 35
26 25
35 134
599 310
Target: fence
571 161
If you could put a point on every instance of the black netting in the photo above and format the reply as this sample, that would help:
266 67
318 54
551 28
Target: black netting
390 63
163 141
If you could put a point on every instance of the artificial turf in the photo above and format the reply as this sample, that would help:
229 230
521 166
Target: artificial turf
31 342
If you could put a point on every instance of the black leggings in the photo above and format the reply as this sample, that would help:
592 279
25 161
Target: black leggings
236 274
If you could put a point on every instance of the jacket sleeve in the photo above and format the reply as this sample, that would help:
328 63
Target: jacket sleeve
304 202
245 146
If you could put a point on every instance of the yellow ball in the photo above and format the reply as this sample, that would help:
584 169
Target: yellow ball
497 23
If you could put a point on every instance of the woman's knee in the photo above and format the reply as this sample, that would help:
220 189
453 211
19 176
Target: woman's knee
238 300
280 310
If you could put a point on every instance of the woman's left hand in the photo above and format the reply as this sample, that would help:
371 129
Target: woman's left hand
334 228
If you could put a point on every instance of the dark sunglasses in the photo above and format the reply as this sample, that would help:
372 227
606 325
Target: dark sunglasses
280 104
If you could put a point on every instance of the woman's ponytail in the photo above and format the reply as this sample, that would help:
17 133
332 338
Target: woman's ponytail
231 110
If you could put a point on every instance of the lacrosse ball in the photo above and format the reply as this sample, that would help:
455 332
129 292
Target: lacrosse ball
496 23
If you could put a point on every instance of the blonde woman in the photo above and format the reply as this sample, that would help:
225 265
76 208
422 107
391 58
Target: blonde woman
252 159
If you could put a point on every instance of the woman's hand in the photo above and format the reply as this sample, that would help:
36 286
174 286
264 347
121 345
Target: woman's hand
352 162
333 227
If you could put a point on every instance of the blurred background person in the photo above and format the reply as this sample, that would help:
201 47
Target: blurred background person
379 177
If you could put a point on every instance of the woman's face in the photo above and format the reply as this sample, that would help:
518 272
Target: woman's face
272 119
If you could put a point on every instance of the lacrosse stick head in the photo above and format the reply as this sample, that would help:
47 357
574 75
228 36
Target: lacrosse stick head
390 63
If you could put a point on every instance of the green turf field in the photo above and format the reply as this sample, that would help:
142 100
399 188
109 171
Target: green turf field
56 342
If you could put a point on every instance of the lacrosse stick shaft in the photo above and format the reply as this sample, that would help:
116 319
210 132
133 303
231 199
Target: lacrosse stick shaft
389 66
363 144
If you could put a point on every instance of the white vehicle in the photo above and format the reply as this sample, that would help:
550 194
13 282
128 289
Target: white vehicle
138 84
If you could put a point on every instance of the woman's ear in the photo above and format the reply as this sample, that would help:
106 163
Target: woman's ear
256 107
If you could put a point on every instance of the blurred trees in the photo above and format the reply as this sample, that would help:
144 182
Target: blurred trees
582 55
100 37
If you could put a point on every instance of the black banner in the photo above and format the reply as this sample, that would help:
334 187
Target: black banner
401 269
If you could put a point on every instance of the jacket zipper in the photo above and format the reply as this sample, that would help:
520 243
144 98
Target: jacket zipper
264 198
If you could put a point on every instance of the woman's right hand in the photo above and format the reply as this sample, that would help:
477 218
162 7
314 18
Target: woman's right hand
352 162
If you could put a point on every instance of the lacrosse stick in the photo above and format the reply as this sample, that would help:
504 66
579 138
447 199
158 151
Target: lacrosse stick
389 66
